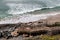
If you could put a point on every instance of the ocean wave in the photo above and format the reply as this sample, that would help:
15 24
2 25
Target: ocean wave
21 8
25 8
18 7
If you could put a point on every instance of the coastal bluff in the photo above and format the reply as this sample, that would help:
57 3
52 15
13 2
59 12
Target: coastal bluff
49 26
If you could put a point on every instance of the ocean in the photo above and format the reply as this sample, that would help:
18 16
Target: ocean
15 11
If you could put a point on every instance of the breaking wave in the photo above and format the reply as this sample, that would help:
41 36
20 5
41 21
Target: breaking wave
20 7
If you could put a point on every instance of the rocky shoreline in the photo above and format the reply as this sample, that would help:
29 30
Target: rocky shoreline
49 26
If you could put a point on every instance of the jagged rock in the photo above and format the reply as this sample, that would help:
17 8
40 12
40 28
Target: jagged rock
6 34
1 34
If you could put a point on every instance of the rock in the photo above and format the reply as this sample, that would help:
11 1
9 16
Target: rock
14 33
6 34
0 34
27 28
30 36
57 23
25 35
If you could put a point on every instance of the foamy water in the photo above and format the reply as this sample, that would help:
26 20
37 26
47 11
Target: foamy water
31 10
27 18
21 8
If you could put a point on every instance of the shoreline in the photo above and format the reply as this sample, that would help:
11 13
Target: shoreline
49 26
27 18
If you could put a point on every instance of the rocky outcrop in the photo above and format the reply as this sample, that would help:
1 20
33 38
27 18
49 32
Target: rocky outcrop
50 26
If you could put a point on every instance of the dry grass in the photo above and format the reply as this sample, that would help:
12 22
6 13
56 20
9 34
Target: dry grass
44 37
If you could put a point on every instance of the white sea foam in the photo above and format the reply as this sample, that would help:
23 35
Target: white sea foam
28 6
27 18
18 8
22 8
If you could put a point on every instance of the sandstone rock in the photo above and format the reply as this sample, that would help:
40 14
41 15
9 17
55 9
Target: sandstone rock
25 35
27 28
30 36
14 33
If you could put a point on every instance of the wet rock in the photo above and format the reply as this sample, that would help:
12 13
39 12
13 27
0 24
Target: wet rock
6 34
1 34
